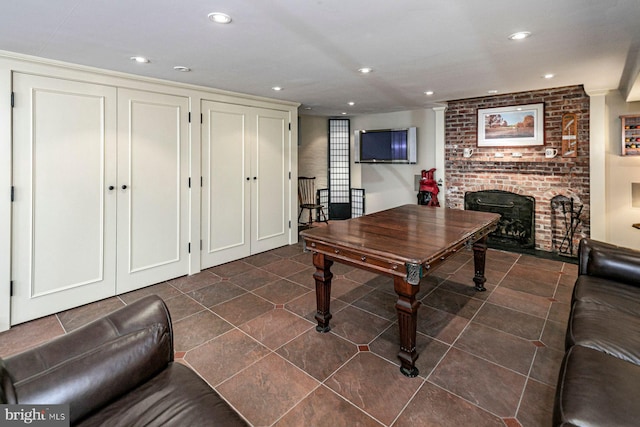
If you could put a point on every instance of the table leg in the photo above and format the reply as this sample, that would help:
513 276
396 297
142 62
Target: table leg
323 277
407 308
479 256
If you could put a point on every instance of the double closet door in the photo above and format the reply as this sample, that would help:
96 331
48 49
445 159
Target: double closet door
100 178
246 181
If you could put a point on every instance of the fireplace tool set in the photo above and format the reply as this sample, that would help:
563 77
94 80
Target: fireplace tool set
571 218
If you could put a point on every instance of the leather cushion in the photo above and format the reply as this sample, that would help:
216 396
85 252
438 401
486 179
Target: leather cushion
131 318
584 251
93 379
621 265
614 294
603 328
595 389
175 397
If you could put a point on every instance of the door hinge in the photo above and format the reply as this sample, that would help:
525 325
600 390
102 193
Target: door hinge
189 116
189 182
13 193
289 224
201 119
11 288
201 182
189 248
13 99
289 174
289 125
200 244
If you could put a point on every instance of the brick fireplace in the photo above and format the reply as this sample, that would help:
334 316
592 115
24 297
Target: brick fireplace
531 175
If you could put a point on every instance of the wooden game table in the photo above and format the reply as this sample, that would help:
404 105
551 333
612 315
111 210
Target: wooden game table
405 243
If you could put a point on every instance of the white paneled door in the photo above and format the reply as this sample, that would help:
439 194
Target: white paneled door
246 185
226 189
153 165
101 192
270 188
64 222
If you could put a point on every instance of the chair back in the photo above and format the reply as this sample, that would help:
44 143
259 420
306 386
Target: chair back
307 190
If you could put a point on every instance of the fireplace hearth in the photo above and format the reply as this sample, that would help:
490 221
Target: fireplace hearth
516 228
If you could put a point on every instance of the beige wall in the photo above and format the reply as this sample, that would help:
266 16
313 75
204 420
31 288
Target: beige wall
312 149
390 185
620 172
385 185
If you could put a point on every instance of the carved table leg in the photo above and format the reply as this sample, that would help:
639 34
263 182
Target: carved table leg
407 308
323 277
479 256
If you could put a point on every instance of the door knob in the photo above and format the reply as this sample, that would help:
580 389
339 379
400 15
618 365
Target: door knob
111 187
124 187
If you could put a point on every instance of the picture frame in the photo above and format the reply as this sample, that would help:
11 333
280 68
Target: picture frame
512 126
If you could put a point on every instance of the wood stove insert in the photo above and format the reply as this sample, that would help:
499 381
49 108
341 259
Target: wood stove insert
516 228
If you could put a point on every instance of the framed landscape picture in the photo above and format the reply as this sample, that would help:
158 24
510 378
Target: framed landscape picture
513 126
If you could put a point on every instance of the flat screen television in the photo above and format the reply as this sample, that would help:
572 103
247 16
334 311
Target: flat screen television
386 146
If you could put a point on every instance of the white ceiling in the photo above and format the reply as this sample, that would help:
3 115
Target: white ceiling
313 48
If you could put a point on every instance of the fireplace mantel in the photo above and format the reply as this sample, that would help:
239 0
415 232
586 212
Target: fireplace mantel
509 159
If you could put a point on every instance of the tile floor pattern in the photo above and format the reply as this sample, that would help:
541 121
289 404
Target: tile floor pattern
486 359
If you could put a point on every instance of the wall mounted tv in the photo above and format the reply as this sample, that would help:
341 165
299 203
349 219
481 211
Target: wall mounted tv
386 146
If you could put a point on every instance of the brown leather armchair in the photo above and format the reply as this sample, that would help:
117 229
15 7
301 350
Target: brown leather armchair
116 371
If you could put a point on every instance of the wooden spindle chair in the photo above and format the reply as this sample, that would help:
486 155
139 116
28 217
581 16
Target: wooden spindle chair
307 199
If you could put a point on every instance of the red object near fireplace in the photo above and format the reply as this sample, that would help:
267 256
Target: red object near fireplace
428 192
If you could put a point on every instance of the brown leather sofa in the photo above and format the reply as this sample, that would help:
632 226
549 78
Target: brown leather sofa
116 371
599 378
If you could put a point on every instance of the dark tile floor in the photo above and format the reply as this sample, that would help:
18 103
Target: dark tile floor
486 359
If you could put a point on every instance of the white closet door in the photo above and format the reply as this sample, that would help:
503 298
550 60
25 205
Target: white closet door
63 215
246 186
226 183
152 188
270 191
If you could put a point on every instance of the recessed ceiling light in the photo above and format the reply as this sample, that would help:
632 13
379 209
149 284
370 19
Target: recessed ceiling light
365 70
344 113
277 88
308 108
182 69
351 103
219 18
519 35
429 93
548 76
492 91
140 59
